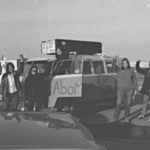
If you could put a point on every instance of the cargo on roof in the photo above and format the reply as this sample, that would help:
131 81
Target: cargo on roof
81 47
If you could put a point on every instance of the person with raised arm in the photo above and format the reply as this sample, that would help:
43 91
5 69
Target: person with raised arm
145 87
10 86
126 88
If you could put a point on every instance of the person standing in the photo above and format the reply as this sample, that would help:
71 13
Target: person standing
32 90
44 84
10 87
145 87
126 88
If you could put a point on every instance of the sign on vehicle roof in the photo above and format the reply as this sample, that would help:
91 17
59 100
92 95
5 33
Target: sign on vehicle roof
80 47
48 47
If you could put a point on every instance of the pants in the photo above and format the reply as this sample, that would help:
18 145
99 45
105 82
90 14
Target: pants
123 96
44 101
35 101
144 107
11 102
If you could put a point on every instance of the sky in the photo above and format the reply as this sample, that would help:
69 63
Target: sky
122 26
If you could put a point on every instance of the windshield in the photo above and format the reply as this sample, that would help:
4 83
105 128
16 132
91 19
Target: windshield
110 67
67 67
43 67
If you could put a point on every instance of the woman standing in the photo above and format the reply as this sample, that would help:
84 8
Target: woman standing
32 93
126 88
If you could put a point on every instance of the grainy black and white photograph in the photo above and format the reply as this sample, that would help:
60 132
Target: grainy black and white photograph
75 74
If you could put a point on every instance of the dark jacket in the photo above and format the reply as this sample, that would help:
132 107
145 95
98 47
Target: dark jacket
146 83
44 85
4 87
37 85
32 87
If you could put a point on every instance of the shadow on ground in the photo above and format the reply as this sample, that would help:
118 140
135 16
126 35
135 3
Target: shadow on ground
91 110
119 131
101 128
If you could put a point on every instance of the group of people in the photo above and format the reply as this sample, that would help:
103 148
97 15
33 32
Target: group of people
127 88
36 87
35 90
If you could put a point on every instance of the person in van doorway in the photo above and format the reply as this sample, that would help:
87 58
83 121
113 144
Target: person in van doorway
10 86
145 87
32 93
126 88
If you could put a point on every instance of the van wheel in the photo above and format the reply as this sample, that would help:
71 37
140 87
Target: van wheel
73 108
66 108
61 107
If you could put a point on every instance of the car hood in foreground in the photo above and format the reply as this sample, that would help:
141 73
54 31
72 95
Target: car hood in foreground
43 130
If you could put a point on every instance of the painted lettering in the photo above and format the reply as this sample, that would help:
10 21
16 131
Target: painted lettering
70 90
62 89
102 90
56 87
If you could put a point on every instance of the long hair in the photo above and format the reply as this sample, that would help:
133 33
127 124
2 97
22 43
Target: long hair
34 66
7 66
7 69
128 63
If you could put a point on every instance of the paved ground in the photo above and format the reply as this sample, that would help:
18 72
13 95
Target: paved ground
106 116
124 145
121 136
101 126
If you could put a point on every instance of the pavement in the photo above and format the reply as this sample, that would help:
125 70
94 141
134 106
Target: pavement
107 115
101 125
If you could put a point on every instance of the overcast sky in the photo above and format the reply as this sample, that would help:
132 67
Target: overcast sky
123 26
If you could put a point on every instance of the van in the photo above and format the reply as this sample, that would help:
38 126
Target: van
76 78
82 80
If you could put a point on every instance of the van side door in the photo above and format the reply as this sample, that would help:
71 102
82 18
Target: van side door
91 80
66 82
98 86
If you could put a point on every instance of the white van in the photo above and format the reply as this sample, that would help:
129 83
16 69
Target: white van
82 80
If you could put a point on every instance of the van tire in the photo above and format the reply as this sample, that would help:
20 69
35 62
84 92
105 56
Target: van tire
63 106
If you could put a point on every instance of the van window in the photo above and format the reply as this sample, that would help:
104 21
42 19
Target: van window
86 67
43 67
98 67
66 67
110 68
79 64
